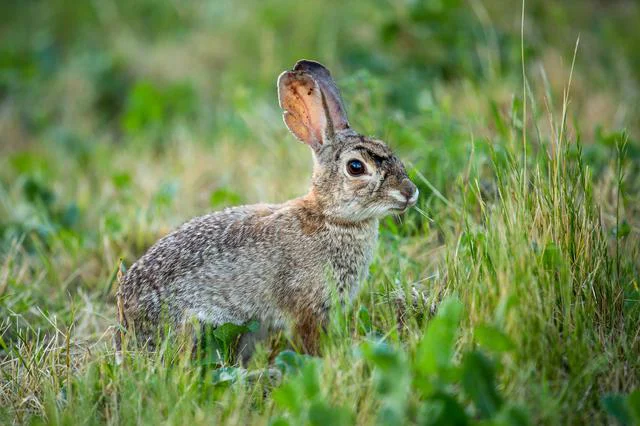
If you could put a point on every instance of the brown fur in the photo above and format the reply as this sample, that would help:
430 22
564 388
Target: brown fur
279 264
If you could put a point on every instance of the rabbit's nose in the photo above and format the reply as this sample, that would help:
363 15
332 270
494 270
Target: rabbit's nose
410 191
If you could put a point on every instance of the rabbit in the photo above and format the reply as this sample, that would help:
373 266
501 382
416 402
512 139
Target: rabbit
280 264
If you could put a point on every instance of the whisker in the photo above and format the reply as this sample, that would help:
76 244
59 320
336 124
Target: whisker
422 212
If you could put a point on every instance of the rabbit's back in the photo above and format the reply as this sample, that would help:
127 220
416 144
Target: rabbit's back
264 262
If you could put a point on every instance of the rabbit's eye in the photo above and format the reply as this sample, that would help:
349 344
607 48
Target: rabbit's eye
355 167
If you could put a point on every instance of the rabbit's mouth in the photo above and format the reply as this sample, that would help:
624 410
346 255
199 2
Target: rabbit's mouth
405 200
406 204
401 209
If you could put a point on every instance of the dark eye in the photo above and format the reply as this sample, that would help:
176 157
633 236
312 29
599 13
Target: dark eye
355 167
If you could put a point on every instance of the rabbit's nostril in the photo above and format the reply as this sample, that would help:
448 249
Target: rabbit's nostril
408 189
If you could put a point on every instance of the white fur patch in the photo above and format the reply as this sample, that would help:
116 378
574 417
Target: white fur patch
397 195
414 197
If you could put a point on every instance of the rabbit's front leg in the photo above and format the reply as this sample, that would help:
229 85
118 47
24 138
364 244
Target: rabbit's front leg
308 333
308 325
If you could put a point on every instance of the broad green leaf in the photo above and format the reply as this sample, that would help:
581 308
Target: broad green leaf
380 354
290 362
616 406
442 410
288 397
493 339
511 415
435 350
478 382
38 192
228 332
633 402
219 342
321 414
310 380
227 375
393 380
390 415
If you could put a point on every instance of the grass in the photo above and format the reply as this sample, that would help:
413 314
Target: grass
122 121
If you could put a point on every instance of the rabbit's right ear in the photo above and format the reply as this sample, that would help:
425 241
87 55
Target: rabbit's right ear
305 111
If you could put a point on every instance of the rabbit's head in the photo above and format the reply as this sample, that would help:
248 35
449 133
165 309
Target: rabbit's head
355 177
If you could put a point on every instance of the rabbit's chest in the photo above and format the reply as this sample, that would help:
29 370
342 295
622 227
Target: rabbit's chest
349 256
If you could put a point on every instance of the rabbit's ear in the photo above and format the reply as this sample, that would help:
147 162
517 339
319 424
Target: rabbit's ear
322 76
313 109
303 104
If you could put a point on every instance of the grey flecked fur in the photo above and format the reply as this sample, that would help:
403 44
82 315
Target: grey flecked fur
278 264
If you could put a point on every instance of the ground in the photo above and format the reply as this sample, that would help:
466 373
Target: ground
509 295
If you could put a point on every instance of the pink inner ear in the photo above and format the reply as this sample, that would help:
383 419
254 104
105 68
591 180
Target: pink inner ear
301 99
331 93
293 123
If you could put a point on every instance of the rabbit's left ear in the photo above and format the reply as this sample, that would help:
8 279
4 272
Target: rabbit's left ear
313 110
335 106
304 112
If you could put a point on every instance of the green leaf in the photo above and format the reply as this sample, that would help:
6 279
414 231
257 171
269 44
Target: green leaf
166 194
121 180
392 378
252 326
511 415
290 362
112 223
493 339
224 197
436 348
478 381
310 381
227 375
145 108
288 397
219 341
622 230
633 402
228 332
320 414
69 216
279 421
442 410
381 355
37 192
616 406
390 415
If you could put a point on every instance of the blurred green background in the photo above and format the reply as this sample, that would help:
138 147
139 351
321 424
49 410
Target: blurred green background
89 89
119 120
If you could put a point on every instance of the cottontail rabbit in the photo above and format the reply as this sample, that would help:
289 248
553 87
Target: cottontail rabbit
278 263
